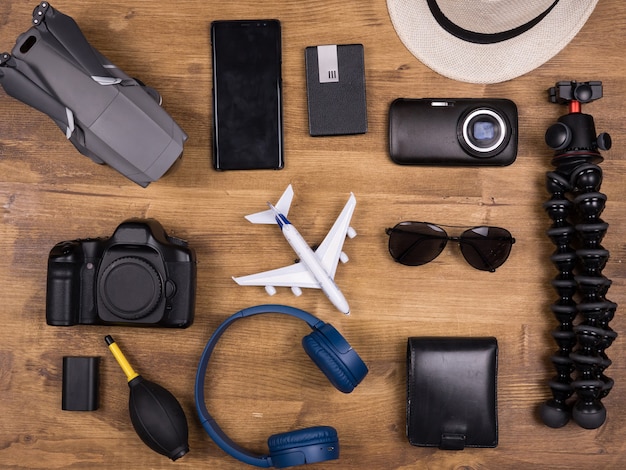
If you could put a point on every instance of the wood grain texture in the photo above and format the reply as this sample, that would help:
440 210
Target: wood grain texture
260 380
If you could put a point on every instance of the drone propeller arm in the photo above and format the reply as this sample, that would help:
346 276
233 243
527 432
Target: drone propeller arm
67 32
19 86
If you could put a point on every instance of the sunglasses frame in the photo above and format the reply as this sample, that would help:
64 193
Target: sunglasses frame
460 239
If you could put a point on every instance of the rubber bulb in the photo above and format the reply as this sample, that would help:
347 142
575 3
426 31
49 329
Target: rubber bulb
158 418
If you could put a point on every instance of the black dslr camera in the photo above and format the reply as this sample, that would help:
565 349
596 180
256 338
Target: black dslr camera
455 131
139 276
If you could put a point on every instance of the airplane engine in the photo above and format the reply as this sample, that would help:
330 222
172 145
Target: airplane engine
271 290
296 291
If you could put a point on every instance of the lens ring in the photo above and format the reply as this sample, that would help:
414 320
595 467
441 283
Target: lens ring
486 248
416 243
469 141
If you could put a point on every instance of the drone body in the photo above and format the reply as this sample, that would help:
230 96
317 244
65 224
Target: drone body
107 115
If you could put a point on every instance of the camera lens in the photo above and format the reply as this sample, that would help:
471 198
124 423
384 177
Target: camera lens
130 288
483 132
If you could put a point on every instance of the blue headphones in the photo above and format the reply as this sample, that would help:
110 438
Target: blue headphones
332 354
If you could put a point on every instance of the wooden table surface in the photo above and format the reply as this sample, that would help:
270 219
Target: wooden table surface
260 380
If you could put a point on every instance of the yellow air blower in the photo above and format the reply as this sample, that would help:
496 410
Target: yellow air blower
157 417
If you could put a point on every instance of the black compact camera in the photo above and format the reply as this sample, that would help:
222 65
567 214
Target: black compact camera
139 276
462 131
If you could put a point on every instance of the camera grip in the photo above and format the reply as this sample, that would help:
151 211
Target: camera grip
62 296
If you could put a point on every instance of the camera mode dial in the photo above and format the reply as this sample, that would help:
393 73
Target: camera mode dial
130 288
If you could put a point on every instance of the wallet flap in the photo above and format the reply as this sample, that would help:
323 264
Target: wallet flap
452 441
451 396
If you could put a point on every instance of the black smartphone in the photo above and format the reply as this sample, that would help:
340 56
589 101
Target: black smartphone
247 95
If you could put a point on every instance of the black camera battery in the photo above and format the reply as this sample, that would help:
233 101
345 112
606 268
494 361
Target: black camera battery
80 383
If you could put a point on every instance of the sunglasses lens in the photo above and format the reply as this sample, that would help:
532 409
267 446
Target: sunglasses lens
416 243
486 248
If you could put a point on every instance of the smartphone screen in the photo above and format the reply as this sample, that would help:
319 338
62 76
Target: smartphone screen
247 95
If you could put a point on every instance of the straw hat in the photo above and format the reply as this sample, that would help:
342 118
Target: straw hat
487 41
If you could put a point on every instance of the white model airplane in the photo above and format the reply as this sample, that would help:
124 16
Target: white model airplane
316 269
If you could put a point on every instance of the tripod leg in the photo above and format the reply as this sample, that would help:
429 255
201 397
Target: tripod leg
556 411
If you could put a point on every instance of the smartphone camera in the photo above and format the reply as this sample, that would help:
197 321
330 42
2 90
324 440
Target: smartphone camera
453 131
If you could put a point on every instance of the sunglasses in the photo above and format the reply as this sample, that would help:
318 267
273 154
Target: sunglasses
418 243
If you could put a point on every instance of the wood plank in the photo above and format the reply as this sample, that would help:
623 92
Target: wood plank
260 380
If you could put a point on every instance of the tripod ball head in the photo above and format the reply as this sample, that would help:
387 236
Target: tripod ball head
574 135
576 132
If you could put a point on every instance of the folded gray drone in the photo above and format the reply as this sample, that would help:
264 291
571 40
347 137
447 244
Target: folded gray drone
110 117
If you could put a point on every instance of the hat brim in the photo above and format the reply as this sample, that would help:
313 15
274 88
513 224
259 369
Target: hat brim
486 63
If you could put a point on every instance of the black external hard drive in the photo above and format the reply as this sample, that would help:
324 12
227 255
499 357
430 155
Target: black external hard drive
335 77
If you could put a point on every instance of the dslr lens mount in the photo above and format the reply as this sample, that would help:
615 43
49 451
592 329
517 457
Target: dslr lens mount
130 288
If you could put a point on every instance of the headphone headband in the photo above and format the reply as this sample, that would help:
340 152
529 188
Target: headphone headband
208 422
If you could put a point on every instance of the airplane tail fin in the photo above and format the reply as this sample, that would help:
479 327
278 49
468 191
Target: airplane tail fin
269 216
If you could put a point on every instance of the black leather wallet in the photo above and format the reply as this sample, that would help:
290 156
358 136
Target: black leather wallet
335 80
452 385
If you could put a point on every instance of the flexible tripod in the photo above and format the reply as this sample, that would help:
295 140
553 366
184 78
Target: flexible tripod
577 231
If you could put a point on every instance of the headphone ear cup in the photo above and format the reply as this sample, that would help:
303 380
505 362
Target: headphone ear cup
308 445
335 358
327 363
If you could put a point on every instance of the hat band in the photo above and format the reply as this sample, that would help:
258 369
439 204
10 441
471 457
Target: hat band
483 38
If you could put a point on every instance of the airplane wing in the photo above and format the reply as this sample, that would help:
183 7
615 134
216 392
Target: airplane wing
330 249
298 275
295 275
